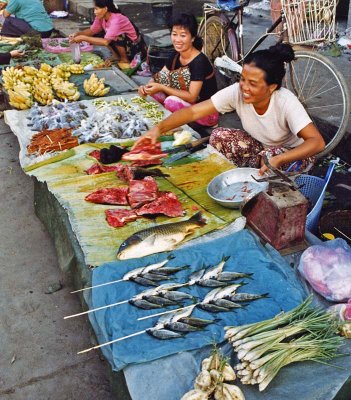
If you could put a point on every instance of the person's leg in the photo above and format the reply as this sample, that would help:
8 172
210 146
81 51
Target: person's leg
46 34
237 146
15 27
174 103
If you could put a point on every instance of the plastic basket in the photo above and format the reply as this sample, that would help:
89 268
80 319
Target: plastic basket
310 21
314 190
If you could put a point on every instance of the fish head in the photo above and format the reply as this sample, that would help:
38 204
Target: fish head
125 250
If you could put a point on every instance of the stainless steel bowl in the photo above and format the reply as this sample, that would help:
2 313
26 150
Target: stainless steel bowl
232 187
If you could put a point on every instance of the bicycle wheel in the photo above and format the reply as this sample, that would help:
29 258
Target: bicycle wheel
216 39
324 93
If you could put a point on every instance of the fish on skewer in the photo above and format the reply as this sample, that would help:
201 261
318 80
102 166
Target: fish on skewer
141 275
159 331
214 276
159 238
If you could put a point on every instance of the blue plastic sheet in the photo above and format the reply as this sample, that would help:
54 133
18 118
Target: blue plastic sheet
271 275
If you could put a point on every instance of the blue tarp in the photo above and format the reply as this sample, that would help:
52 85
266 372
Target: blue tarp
271 275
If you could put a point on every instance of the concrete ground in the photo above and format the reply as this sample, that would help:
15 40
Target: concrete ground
38 359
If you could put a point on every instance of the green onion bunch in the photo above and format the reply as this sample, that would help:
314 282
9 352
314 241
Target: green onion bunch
263 348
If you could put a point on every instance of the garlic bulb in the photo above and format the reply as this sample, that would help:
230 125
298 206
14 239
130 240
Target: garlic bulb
195 395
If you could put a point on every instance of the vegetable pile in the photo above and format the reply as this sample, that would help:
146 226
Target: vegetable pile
302 334
211 382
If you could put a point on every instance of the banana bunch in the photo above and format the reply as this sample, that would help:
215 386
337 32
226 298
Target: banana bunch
65 90
11 77
211 382
95 86
42 92
76 69
20 97
61 71
46 68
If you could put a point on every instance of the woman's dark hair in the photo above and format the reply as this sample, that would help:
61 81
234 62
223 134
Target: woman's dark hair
272 61
107 3
188 21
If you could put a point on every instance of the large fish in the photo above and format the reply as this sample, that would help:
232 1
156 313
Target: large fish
159 238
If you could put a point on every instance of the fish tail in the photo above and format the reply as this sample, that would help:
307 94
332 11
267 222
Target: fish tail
170 257
225 258
198 219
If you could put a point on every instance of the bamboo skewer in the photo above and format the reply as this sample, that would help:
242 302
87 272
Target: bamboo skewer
96 309
102 284
112 341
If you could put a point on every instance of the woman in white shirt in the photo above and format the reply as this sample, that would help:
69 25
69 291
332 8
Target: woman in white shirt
275 122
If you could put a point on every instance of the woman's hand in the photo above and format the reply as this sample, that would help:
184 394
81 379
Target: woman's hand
16 53
152 88
141 91
78 39
153 134
275 162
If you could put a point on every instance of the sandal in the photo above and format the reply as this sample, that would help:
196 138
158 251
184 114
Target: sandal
123 65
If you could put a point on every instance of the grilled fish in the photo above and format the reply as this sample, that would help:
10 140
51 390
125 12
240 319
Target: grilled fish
159 238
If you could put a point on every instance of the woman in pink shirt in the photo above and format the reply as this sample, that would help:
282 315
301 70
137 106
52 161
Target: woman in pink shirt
121 35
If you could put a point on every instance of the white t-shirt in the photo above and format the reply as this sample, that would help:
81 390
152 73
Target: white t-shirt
278 126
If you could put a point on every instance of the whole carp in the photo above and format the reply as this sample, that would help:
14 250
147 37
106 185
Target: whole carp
159 238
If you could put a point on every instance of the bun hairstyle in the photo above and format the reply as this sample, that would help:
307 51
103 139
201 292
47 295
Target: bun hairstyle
107 3
272 62
188 21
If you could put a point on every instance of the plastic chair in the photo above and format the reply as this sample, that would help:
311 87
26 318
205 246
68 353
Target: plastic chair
314 190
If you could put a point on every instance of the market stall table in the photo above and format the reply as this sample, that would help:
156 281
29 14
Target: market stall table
55 198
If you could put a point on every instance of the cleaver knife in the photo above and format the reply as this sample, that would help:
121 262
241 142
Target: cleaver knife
186 150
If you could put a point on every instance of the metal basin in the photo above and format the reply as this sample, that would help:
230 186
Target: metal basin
231 188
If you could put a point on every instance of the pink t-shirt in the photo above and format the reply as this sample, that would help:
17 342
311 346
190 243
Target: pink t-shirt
117 24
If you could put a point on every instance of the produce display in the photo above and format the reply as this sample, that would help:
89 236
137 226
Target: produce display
85 59
212 381
56 116
95 87
106 124
263 348
48 141
28 84
62 45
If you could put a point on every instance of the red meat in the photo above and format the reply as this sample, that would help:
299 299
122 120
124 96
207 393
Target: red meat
167 203
95 169
124 172
119 217
95 154
145 163
149 147
142 191
115 196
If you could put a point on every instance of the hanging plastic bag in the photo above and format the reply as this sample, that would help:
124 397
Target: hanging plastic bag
75 51
327 268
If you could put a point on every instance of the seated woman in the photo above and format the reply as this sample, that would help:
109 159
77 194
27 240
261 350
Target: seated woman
188 76
23 16
121 35
275 122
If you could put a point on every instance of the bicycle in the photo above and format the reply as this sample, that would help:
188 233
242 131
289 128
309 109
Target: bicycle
316 82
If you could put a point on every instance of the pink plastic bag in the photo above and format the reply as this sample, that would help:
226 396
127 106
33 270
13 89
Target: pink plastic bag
327 268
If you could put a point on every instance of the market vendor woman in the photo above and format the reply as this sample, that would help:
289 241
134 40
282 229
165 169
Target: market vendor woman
275 122
188 76
121 35
23 17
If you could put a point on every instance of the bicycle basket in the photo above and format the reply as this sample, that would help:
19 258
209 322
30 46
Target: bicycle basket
310 21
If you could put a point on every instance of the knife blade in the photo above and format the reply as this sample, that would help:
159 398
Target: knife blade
188 146
182 154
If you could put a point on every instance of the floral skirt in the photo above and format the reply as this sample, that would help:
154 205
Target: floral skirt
174 103
244 151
